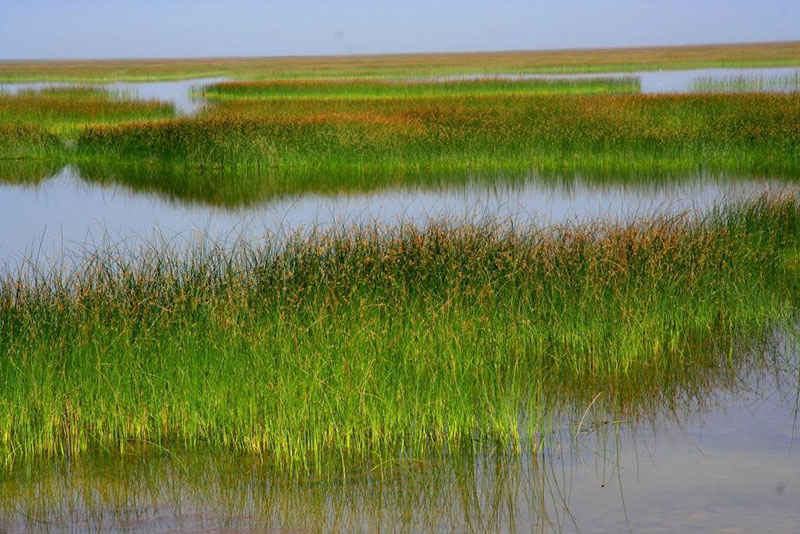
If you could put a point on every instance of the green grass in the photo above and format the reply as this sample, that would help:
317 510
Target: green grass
273 146
370 89
476 488
66 111
26 142
343 348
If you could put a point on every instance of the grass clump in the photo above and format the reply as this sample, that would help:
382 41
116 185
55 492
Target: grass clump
25 141
358 135
67 110
371 344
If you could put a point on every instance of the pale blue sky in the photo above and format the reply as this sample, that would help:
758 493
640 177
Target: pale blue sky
174 28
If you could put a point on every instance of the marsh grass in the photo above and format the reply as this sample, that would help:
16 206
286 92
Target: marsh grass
252 148
387 140
376 89
26 142
66 110
351 348
476 487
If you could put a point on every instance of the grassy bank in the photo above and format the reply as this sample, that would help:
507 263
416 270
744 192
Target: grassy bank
379 345
405 65
39 128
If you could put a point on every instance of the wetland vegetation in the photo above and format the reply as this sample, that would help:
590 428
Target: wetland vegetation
362 346
343 354
257 140
548 487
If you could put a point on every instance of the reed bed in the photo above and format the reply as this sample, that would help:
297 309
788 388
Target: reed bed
337 348
324 144
369 89
406 65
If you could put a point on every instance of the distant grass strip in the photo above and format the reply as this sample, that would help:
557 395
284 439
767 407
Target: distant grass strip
400 66
375 344
365 89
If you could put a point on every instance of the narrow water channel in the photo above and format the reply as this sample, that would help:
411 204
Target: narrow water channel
66 215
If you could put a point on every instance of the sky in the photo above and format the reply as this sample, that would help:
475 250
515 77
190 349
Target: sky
69 29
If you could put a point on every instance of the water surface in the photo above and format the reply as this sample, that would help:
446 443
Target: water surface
67 215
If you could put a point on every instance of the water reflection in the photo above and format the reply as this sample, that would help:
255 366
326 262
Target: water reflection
69 213
716 453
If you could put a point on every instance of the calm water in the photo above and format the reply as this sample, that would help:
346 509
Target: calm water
64 216
723 457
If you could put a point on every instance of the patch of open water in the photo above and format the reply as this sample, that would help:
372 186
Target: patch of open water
66 214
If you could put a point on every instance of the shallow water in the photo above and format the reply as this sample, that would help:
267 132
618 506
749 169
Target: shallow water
66 215
723 457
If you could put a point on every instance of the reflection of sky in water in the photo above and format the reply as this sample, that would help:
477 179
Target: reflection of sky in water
66 213
729 462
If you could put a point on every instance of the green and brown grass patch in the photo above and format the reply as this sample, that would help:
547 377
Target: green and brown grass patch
377 345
